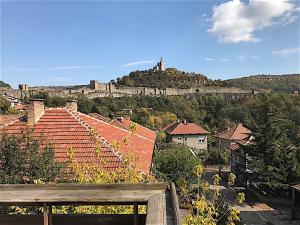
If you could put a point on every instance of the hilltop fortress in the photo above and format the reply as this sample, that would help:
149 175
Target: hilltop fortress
97 89
100 90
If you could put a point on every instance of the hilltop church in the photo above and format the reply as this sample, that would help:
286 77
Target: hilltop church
159 66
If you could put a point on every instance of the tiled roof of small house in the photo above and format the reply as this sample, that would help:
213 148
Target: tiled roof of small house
235 133
184 128
64 128
125 123
7 119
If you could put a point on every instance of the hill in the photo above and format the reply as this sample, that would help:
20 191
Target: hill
2 84
275 83
170 77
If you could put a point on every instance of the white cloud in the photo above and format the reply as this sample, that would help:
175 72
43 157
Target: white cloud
138 63
209 59
224 59
286 52
236 21
75 67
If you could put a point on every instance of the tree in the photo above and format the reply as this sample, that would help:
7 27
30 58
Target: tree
25 159
271 149
4 106
174 162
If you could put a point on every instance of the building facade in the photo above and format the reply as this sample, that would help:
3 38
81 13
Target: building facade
189 134
232 138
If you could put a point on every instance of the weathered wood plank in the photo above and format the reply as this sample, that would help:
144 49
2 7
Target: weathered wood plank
156 210
175 205
72 186
45 214
80 196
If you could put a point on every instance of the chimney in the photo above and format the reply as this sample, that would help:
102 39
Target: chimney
184 121
72 104
35 110
178 120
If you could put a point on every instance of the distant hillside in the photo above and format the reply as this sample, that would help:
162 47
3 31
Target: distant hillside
171 77
2 84
276 83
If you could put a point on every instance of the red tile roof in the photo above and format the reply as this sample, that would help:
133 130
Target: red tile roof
235 133
20 106
65 128
125 123
184 128
7 119
140 146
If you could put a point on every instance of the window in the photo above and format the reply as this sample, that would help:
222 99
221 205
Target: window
179 138
185 139
201 140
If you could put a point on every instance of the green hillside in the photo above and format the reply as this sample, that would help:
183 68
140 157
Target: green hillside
171 77
275 83
2 84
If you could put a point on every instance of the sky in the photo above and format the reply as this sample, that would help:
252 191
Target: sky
72 42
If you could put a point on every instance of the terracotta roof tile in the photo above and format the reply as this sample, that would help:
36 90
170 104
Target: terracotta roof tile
7 119
185 128
125 123
235 133
138 145
64 128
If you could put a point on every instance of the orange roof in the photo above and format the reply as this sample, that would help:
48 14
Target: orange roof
20 106
235 133
125 123
184 128
7 119
65 128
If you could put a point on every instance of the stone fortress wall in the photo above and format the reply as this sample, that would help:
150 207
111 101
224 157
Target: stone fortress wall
96 89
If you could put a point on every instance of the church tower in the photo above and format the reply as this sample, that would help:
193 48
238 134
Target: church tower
161 65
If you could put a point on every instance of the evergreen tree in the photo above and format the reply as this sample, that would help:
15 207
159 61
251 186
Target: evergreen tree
272 155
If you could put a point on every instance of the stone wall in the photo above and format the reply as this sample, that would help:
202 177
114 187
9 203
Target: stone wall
96 89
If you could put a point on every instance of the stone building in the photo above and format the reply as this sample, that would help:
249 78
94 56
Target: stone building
186 133
159 66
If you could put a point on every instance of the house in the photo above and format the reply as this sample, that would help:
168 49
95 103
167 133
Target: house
66 127
232 138
186 133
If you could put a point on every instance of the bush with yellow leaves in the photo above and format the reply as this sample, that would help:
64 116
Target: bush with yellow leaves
209 206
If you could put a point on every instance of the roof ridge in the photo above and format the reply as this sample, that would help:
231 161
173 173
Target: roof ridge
116 126
89 128
12 122
142 126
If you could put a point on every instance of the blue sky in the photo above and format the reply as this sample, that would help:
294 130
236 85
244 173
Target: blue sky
61 43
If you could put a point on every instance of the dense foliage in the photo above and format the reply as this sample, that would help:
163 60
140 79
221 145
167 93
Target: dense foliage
171 77
268 83
174 162
275 128
24 160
